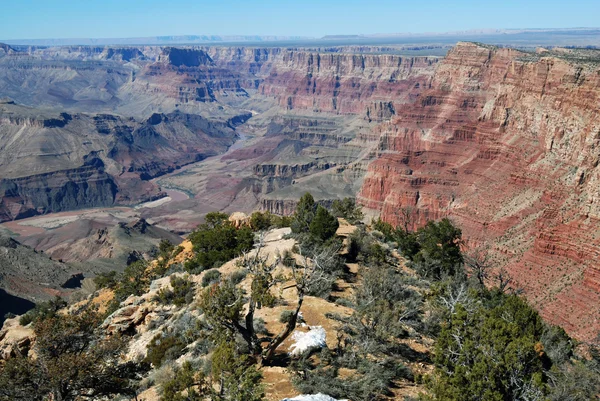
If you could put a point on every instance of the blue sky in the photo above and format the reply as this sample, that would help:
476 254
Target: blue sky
40 19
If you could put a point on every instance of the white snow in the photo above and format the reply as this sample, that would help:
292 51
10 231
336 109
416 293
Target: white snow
316 397
315 338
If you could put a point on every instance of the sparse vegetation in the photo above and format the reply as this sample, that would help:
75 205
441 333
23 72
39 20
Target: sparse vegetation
164 348
43 311
218 241
347 209
488 343
210 277
181 292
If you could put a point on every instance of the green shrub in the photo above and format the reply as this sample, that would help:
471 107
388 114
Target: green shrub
106 280
164 348
498 343
218 241
238 276
304 214
286 316
438 249
192 266
281 221
133 281
260 221
165 247
42 311
185 380
210 277
181 292
347 209
386 229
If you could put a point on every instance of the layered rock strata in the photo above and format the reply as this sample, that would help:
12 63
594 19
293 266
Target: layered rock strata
506 144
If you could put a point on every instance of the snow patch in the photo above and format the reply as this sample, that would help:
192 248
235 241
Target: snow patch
316 397
315 338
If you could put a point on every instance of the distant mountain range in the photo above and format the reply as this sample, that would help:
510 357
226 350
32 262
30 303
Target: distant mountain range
590 35
153 40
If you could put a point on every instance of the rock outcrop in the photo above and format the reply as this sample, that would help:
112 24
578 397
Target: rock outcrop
15 340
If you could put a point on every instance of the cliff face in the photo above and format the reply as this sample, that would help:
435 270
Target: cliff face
29 274
191 75
53 162
346 83
87 186
505 143
316 81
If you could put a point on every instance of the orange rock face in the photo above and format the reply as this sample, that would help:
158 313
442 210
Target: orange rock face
506 144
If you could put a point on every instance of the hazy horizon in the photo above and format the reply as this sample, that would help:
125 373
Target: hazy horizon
62 19
480 31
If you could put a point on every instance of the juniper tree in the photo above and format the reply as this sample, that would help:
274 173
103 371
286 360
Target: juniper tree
304 214
223 302
324 225
72 362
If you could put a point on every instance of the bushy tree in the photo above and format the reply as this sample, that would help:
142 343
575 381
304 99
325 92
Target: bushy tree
133 281
490 351
106 280
324 225
260 221
438 249
187 384
347 209
385 228
43 310
232 377
218 241
165 247
304 214
364 248
71 363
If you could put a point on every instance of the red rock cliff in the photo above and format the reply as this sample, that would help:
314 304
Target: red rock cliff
506 144
346 83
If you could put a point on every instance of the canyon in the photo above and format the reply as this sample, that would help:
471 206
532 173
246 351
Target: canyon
502 141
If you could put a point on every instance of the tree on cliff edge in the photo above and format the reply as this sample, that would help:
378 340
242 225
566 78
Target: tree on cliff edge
304 215
324 225
223 303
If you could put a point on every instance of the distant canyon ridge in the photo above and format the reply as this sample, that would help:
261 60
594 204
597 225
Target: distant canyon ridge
502 141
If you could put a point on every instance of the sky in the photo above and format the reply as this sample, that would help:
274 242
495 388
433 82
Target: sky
44 19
